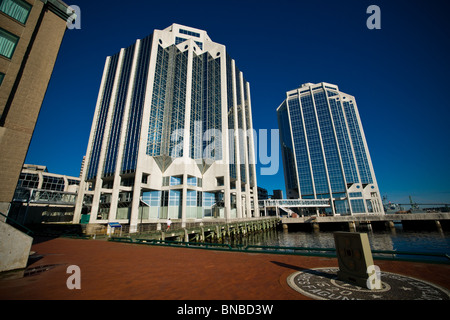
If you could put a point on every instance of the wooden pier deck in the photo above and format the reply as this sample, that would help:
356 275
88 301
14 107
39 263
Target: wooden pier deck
437 218
210 232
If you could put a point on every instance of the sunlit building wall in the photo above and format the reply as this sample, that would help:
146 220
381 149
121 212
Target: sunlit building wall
164 141
31 32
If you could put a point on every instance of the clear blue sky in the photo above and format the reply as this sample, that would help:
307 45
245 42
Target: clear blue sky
399 75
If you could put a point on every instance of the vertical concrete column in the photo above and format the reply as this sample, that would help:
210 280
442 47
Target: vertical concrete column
41 180
316 226
252 159
438 225
82 187
240 87
123 133
107 129
144 136
352 226
184 201
390 225
237 160
369 158
218 232
202 234
187 122
225 137
341 163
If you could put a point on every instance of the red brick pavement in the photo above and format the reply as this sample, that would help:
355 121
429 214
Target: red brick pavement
132 271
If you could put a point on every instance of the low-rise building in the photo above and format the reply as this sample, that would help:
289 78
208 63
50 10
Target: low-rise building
42 196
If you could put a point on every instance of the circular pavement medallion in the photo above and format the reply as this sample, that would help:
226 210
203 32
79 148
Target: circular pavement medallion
323 284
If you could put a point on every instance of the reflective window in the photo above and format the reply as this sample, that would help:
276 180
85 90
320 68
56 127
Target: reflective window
341 207
330 149
136 108
73 182
206 108
175 181
8 43
178 103
53 183
174 197
209 200
358 206
220 181
192 181
190 33
345 147
101 119
116 125
301 147
28 180
200 45
179 40
314 145
191 198
369 205
358 143
164 198
196 130
355 194
152 198
17 9
155 130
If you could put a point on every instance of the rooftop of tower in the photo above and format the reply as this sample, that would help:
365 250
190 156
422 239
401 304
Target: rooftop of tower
326 84
313 86
188 32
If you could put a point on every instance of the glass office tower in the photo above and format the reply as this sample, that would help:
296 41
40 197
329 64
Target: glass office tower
164 141
324 150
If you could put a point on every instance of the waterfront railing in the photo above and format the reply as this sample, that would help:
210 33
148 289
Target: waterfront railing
17 225
303 251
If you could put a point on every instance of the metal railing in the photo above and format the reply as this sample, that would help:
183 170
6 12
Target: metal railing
392 255
299 203
17 225
40 196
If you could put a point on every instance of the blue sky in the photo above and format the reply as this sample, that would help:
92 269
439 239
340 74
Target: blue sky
398 74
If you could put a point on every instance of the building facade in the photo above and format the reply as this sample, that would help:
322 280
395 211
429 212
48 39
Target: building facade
169 135
262 194
277 194
324 150
42 196
31 32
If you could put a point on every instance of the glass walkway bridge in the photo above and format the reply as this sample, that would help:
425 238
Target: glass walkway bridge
37 196
286 204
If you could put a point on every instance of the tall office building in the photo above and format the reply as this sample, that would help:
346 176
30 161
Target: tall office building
324 150
31 32
164 141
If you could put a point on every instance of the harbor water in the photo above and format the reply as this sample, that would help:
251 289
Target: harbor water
396 239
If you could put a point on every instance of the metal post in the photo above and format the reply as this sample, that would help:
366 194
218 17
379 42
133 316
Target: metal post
265 209
28 205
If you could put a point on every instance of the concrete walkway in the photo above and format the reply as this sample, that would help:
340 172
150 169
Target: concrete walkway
131 271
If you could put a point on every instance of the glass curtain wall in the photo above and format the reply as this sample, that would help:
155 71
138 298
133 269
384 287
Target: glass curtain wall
330 155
